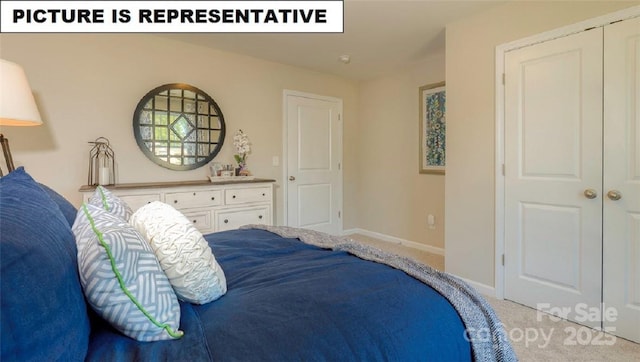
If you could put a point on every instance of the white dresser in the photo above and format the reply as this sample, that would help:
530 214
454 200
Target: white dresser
211 206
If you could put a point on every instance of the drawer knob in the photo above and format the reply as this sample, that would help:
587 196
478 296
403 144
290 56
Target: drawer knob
263 194
260 217
195 221
194 194
226 221
234 196
213 198
175 201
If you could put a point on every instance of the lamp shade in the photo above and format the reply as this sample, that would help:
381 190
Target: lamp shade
17 106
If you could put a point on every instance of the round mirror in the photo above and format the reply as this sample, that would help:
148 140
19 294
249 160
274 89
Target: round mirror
179 126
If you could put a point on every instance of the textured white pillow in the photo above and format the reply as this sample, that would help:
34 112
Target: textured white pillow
183 253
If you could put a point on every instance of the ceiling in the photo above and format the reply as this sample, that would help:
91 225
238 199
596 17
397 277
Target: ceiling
379 36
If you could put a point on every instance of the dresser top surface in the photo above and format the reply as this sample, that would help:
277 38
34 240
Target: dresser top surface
146 185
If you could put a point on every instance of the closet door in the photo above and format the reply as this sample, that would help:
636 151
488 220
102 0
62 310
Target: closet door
553 175
621 223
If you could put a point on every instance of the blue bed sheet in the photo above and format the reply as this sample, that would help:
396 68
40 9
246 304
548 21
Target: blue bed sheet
290 301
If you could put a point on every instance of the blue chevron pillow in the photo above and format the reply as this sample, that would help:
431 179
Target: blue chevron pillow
104 199
122 279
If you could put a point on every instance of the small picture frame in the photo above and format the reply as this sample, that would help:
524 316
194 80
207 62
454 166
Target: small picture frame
215 168
432 128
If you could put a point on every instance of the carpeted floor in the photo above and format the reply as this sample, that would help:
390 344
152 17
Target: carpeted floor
536 336
435 261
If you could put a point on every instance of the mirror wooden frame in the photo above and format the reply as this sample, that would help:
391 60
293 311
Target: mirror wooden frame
179 127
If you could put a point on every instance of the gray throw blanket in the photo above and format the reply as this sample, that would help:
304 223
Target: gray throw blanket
489 341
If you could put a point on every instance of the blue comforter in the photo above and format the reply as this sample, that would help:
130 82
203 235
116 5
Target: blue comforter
287 300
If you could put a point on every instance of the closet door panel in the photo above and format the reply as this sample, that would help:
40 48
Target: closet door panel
553 154
621 218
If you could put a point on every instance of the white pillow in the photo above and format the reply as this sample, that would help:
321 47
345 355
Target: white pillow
183 253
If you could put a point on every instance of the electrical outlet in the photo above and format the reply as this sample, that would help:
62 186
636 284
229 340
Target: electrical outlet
431 221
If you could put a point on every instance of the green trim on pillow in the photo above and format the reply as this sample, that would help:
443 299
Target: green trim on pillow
167 328
104 199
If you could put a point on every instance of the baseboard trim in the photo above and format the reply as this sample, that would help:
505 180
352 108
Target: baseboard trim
481 288
395 240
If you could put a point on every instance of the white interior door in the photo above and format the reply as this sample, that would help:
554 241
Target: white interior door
314 157
553 155
621 244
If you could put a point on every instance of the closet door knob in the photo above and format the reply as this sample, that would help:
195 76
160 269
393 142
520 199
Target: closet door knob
590 193
614 195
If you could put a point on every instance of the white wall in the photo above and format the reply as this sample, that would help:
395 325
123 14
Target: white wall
88 85
394 199
470 74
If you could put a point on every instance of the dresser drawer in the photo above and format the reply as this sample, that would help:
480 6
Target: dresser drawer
246 195
209 206
201 219
190 199
234 218
137 201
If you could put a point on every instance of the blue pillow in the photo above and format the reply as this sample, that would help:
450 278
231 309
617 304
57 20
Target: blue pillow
44 314
68 210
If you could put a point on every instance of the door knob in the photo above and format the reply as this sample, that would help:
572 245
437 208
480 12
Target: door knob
292 178
614 195
590 193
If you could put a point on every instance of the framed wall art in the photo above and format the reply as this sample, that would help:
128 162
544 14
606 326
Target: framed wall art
432 128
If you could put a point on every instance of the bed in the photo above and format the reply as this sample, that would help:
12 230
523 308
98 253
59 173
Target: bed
288 300
292 295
